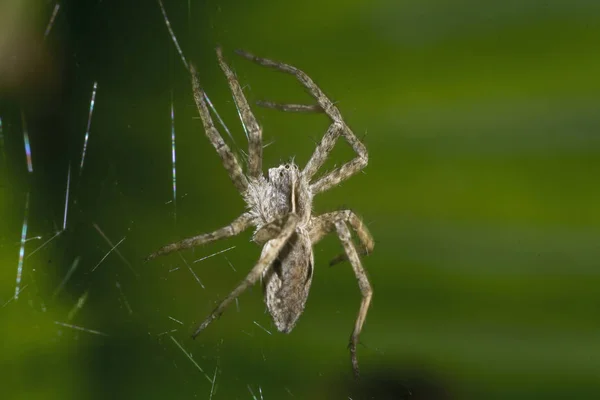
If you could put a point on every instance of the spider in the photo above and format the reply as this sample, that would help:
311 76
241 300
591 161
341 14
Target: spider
279 207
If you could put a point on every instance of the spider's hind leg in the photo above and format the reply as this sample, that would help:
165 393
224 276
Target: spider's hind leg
365 289
338 220
325 223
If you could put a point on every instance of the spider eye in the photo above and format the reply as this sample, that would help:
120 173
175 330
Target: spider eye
280 173
287 166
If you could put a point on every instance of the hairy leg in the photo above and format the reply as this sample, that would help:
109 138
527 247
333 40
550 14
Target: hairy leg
266 259
306 108
338 127
363 284
269 231
229 160
238 225
326 223
253 130
322 151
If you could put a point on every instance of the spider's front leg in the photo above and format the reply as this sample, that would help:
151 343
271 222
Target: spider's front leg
267 258
337 128
350 168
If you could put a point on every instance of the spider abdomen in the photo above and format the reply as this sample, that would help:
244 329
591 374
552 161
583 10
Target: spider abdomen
286 282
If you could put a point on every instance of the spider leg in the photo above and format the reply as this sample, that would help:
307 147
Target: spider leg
238 225
325 223
307 108
337 220
266 259
253 130
269 231
347 170
229 160
338 127
363 284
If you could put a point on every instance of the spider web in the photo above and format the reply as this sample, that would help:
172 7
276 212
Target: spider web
481 194
105 175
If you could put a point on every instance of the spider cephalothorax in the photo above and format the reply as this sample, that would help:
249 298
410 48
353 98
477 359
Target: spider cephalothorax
285 190
279 207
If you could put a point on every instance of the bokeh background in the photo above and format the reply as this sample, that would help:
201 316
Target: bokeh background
482 121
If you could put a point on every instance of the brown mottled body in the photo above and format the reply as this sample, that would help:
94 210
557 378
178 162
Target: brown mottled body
287 282
280 207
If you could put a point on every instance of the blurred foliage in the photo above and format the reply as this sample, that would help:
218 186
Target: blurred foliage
482 121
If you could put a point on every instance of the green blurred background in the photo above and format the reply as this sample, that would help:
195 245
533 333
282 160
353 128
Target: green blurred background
482 121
